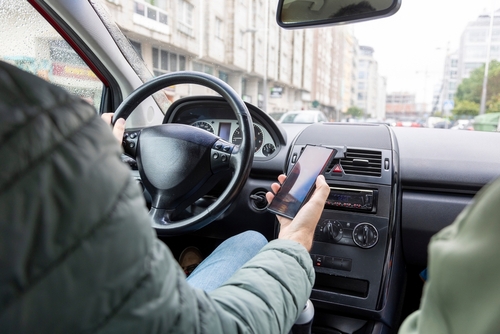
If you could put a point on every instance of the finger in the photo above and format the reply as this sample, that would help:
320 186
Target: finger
321 192
269 197
106 117
281 178
275 187
119 129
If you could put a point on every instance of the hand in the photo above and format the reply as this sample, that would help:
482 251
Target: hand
302 227
118 129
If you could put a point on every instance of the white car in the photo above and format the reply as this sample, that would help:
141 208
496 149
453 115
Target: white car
303 116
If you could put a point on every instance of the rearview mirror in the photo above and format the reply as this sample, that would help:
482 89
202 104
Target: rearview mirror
309 13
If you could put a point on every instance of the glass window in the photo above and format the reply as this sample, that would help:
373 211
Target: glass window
185 17
199 67
223 76
173 62
182 63
151 10
40 50
243 86
219 28
137 47
164 61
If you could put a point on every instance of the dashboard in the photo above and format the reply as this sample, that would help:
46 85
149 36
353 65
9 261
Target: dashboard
214 115
391 189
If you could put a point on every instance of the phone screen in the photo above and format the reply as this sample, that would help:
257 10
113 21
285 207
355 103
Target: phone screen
300 182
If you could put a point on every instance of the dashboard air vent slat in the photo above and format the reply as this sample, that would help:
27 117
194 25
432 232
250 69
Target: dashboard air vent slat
362 162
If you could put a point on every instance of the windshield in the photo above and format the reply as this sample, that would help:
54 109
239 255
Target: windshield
422 67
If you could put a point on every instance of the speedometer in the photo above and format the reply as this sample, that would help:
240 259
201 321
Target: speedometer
237 137
203 125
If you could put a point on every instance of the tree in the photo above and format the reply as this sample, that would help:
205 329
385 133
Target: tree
468 96
466 108
355 112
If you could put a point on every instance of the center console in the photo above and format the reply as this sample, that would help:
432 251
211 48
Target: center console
358 272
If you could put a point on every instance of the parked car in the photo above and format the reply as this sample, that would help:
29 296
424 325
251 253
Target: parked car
392 188
303 116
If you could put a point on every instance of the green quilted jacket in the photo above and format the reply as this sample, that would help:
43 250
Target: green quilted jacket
77 252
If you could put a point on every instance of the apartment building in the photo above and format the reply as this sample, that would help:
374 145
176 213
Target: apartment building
276 69
370 88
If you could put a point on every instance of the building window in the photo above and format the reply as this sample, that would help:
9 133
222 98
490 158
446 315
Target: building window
223 76
164 62
150 10
219 28
182 63
185 17
137 47
243 86
199 67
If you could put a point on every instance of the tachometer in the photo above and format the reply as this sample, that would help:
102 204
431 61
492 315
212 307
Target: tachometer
236 139
203 125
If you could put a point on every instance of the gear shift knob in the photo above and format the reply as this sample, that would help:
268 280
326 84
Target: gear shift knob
303 324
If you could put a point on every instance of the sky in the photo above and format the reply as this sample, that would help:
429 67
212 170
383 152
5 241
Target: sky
411 45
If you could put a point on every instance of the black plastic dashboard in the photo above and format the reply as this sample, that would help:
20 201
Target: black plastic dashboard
214 115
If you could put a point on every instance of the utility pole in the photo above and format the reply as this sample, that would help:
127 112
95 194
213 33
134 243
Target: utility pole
482 108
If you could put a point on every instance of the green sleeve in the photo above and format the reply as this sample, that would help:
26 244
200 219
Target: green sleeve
462 293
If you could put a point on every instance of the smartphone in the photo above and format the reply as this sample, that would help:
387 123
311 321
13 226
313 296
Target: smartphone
300 182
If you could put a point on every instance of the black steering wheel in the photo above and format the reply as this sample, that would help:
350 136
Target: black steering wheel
179 164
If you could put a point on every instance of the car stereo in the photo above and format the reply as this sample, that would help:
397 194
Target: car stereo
351 199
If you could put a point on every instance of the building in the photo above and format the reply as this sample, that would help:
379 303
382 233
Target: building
400 105
449 85
473 50
471 54
237 41
368 84
348 70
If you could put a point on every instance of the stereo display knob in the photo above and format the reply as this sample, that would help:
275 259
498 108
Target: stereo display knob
365 235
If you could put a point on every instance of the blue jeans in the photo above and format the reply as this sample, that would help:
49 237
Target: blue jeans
225 260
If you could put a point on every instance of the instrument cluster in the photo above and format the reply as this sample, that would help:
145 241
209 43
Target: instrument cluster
229 130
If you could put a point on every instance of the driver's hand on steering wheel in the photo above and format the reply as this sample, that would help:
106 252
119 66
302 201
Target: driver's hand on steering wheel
302 227
118 129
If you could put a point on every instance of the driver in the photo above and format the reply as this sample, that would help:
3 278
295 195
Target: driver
77 251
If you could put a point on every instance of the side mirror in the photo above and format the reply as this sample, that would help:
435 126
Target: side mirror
311 13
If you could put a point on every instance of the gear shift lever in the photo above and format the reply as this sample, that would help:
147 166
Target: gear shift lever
303 324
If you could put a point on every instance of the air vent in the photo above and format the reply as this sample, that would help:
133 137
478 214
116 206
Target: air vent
362 162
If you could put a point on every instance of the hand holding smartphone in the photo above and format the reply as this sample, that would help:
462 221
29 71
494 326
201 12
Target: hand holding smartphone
299 183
